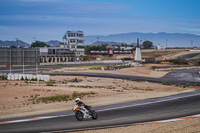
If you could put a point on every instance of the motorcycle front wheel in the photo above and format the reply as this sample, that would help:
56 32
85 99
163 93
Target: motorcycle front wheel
79 115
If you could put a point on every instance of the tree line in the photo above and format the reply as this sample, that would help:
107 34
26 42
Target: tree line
145 45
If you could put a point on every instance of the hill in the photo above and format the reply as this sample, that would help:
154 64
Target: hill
10 43
22 43
165 39
53 43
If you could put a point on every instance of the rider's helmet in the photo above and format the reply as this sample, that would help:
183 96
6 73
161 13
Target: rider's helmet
77 100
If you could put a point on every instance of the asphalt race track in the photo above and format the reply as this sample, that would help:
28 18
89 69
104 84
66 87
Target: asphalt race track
48 67
171 78
176 77
130 113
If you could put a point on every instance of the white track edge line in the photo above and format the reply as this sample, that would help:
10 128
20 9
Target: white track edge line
148 103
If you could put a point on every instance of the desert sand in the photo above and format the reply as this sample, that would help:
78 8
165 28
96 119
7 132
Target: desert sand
16 95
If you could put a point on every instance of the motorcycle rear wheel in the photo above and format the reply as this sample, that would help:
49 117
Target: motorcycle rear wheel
94 114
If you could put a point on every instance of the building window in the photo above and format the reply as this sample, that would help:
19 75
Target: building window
81 47
80 41
73 46
72 41
80 35
71 35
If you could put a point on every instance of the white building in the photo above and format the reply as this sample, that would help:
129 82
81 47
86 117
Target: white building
60 55
73 39
160 47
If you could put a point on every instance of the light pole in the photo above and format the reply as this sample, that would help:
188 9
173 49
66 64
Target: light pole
23 61
140 42
17 42
191 43
98 40
34 38
10 61
36 62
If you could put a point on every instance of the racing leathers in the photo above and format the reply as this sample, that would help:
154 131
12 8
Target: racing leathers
82 104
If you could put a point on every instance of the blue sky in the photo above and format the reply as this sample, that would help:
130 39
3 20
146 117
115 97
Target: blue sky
50 19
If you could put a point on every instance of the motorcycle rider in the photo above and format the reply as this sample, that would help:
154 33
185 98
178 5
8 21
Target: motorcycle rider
80 103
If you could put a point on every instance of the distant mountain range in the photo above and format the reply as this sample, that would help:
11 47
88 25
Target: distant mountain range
10 43
106 42
165 39
53 43
21 43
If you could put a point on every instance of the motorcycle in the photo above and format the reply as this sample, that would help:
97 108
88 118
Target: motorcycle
82 113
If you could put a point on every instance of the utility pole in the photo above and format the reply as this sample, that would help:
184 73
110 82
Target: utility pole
23 61
10 61
36 61
34 38
140 42
166 42
17 42
98 40
191 43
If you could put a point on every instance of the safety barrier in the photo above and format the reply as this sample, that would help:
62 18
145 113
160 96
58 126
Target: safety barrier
17 76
